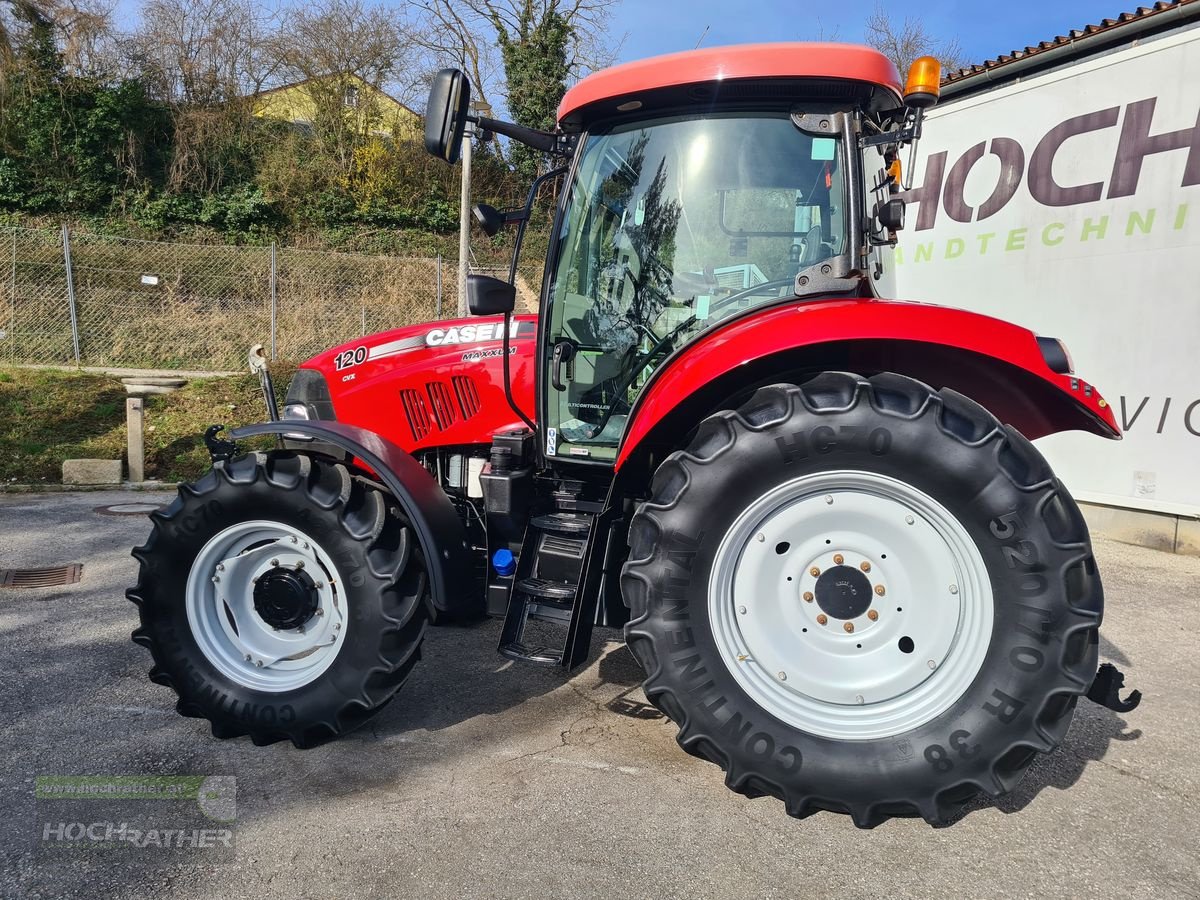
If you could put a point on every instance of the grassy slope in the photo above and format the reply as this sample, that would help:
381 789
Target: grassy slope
48 415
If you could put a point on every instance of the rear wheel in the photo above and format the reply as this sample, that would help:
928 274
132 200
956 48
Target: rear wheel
863 595
281 598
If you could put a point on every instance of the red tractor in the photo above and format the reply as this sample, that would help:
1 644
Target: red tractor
865 593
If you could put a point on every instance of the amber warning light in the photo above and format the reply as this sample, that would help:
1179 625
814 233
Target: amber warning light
924 82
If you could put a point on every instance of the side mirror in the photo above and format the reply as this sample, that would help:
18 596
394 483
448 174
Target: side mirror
891 214
488 296
446 114
491 220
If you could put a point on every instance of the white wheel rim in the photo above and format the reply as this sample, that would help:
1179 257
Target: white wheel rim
823 678
231 633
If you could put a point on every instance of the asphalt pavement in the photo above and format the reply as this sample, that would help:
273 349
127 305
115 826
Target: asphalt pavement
486 778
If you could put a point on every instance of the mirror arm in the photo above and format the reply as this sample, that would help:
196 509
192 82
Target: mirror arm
530 137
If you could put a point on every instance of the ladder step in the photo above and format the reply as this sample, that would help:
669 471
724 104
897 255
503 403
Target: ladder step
563 523
542 589
541 656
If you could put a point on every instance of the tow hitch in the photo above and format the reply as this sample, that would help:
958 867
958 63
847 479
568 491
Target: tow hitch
1106 690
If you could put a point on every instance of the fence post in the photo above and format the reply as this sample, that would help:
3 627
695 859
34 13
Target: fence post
439 281
12 301
274 305
66 243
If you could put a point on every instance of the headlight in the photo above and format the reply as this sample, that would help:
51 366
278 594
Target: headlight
308 397
296 411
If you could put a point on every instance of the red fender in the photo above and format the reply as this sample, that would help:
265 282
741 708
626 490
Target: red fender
995 363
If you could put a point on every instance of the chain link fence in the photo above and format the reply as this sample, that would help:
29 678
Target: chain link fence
82 299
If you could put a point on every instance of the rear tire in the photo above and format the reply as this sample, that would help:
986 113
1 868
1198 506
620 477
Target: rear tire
281 599
990 580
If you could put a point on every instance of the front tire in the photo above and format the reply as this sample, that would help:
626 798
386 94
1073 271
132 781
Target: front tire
865 596
281 598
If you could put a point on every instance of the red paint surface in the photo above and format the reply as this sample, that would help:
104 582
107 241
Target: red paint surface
369 394
811 323
792 60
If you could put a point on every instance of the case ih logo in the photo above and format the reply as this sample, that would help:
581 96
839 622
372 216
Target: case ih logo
1135 144
470 334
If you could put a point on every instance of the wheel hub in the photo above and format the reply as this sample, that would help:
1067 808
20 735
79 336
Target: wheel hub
843 592
266 605
851 605
286 598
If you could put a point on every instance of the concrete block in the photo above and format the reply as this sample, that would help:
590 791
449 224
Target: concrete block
91 471
1131 526
1187 541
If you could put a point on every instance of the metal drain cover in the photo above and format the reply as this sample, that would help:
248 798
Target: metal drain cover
37 578
128 509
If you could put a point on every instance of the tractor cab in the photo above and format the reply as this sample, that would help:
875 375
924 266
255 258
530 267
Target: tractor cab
700 186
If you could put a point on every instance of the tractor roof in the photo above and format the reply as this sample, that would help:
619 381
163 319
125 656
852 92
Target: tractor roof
600 94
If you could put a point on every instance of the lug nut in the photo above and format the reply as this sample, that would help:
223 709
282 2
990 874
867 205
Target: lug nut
880 590
821 620
295 540
320 612
829 498
783 676
220 567
760 538
258 663
742 610
954 588
872 615
865 566
216 579
814 571
274 562
247 657
838 558
908 520
849 626
808 597
300 564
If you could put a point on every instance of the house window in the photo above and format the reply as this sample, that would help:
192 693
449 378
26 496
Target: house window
350 98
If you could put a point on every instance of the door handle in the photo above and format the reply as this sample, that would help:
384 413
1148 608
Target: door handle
564 352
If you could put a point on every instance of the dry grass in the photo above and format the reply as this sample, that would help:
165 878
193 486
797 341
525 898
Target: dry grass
48 415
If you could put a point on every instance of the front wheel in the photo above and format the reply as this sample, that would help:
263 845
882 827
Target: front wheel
863 595
281 598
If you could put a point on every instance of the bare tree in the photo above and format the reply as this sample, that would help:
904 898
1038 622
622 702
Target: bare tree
902 42
469 34
335 48
82 32
201 52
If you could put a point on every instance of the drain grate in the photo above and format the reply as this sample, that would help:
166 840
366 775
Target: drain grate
37 578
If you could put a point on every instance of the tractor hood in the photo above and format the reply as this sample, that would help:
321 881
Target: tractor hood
421 386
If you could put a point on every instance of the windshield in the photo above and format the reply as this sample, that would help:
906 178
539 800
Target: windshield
672 226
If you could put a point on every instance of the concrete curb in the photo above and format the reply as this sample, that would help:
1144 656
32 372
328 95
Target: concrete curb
88 488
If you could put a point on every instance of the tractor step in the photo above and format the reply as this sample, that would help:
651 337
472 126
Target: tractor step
548 588
563 523
544 590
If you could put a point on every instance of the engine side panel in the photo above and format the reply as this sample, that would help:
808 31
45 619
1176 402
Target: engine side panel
432 385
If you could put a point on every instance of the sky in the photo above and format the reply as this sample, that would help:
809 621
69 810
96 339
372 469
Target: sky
983 29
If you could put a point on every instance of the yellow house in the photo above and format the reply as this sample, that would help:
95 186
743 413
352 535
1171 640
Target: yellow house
365 108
